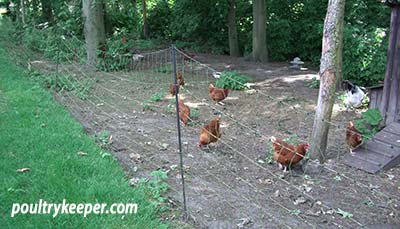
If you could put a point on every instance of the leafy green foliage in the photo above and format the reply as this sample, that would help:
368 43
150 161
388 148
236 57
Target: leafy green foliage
103 138
116 55
157 96
364 59
147 106
314 83
368 125
232 80
344 214
295 212
369 203
157 186
194 113
294 28
60 83
337 178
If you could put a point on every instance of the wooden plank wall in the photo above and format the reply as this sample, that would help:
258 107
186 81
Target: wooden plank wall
390 96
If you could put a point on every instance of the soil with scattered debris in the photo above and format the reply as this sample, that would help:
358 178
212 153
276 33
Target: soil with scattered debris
232 184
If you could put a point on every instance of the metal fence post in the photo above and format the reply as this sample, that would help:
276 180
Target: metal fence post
173 52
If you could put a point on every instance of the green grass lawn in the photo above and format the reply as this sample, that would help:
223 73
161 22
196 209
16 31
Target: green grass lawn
38 133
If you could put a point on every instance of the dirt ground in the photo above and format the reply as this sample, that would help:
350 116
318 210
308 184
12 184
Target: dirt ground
231 184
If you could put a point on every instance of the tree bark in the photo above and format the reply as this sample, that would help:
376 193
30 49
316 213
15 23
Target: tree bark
232 30
259 31
47 11
145 26
23 12
107 22
95 38
330 73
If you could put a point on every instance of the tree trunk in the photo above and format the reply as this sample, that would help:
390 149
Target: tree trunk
330 73
107 22
232 30
94 29
145 26
23 12
47 11
259 31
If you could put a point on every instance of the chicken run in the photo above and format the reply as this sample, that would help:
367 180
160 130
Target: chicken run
234 182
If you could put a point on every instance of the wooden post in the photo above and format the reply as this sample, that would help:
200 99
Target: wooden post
390 96
330 73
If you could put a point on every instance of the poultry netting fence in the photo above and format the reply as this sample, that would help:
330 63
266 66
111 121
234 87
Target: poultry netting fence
234 182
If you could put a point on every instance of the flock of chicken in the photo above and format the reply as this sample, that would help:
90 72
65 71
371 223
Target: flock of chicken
285 154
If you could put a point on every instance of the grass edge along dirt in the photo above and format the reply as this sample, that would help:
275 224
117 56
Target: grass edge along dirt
39 134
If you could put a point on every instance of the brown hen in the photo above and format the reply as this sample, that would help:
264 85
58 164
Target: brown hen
180 81
286 154
184 112
353 136
210 133
218 94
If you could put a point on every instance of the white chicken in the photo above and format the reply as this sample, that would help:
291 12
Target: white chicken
354 95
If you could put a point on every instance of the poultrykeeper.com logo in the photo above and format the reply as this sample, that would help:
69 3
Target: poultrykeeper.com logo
43 207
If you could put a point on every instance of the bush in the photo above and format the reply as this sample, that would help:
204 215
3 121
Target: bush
232 80
364 55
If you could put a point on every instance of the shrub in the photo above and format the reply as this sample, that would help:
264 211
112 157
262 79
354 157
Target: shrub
313 83
157 96
364 55
232 80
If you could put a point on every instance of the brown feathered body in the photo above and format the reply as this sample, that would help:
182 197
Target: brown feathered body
287 154
218 94
181 82
184 112
353 136
180 79
172 89
210 132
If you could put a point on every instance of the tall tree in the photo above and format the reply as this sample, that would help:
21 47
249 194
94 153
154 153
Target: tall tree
107 22
23 12
232 30
330 73
95 37
145 25
259 52
47 11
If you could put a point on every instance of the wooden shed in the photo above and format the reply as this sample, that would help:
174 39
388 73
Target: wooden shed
382 152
